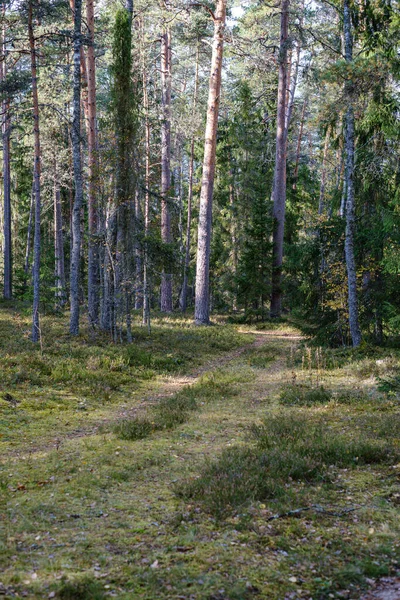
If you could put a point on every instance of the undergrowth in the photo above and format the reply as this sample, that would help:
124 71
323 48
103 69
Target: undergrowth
288 447
172 411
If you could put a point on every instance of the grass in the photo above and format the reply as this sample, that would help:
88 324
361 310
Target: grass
288 448
73 382
172 411
304 395
91 512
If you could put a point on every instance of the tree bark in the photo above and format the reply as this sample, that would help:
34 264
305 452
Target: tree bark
77 164
166 278
37 173
183 294
298 147
355 331
28 239
93 250
202 300
279 186
321 204
6 125
138 257
59 267
146 275
6 130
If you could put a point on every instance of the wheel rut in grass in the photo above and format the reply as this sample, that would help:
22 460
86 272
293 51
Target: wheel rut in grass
174 384
164 387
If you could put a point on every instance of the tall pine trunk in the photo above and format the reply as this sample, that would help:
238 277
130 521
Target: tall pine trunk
279 186
77 164
93 249
202 301
36 175
355 331
183 294
166 278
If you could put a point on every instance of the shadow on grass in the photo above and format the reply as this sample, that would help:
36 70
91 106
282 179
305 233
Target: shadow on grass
288 447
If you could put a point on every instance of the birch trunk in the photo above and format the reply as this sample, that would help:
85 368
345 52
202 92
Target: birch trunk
77 164
279 186
202 300
36 175
166 278
6 125
355 331
5 130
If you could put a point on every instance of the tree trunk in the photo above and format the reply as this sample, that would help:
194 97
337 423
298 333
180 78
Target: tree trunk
298 148
202 301
37 172
6 126
279 187
355 331
166 278
321 204
59 267
77 163
6 130
183 294
28 239
138 258
146 276
233 233
93 250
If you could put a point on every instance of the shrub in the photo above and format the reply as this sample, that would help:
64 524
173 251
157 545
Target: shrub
133 429
84 589
351 397
289 447
304 395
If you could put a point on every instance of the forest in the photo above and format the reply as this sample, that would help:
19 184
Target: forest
200 311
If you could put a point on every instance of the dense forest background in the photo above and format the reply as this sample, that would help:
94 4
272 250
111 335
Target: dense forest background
108 185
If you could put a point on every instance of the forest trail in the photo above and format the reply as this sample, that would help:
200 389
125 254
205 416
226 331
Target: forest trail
163 387
167 386
108 510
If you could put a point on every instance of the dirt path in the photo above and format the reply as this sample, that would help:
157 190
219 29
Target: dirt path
162 387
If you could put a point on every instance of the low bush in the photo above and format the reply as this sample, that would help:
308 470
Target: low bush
304 395
172 411
83 589
133 429
289 447
353 396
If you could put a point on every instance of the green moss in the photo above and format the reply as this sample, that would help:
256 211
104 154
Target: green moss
87 512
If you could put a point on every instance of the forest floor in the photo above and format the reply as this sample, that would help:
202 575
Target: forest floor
197 463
